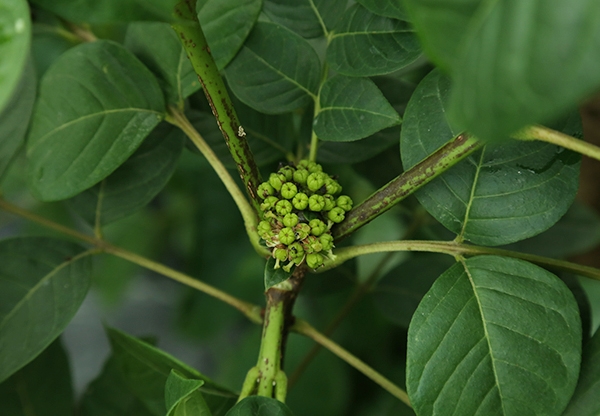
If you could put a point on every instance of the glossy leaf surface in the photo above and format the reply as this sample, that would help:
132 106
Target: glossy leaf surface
585 399
351 109
308 18
15 37
41 388
274 276
183 398
42 283
159 48
276 71
259 406
365 44
136 182
96 104
491 334
146 369
504 193
226 25
394 9
14 119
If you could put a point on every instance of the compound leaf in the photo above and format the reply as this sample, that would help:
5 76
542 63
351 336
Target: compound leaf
42 283
504 193
96 104
491 334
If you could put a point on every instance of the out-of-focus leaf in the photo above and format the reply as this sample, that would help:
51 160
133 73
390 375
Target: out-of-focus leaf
365 44
96 104
276 71
42 284
394 9
260 406
308 18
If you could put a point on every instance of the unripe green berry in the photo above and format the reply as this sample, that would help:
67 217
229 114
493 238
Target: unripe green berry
332 186
268 203
315 181
345 202
288 190
280 253
316 203
314 260
283 207
276 181
265 189
300 176
300 201
327 241
336 215
329 202
317 227
287 172
302 231
290 220
286 236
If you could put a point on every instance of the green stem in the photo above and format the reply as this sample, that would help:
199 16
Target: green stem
408 182
178 118
253 312
304 328
455 249
544 134
198 52
314 140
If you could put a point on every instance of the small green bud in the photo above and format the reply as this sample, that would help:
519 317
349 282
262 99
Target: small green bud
317 227
286 236
329 202
283 207
263 227
288 190
265 189
268 203
300 176
345 202
296 252
314 167
302 164
287 172
313 244
336 215
276 181
300 201
280 253
327 241
316 203
332 186
314 260
302 231
315 181
290 220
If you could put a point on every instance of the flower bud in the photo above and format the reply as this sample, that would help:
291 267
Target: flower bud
280 254
332 186
316 203
289 190
336 215
317 227
287 172
313 244
302 231
327 241
265 189
286 236
263 227
345 202
300 176
300 201
290 220
275 181
314 260
268 203
315 181
283 207
296 252
329 202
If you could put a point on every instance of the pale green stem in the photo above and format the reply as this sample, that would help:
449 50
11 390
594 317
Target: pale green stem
177 118
253 312
304 328
314 140
544 134
455 249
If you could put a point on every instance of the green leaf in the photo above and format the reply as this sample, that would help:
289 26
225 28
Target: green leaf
275 276
226 25
146 369
42 387
14 120
136 182
108 395
585 399
260 406
351 109
494 335
15 37
42 283
308 18
393 9
110 11
96 104
183 398
504 193
365 44
398 293
276 71
159 48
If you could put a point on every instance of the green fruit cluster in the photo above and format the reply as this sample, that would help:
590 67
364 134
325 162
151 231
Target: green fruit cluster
299 206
